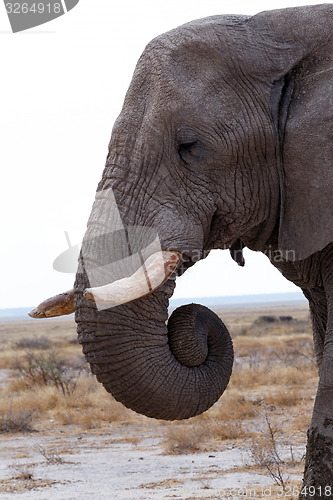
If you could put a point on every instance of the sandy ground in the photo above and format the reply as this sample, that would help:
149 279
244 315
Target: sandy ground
96 465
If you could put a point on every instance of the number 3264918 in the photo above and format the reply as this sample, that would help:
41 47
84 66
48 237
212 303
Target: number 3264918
35 8
306 491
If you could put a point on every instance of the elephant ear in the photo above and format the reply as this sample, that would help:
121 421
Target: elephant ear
298 45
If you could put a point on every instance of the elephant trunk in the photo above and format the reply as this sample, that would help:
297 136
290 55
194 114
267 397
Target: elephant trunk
166 371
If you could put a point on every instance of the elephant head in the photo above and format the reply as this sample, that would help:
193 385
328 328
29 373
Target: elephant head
214 148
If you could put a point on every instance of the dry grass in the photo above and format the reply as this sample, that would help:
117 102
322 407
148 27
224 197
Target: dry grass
17 420
24 480
232 408
268 449
190 440
274 365
287 376
89 406
50 457
166 483
184 439
34 342
285 398
52 383
231 431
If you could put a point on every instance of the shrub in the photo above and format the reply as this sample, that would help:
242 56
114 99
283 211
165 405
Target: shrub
33 343
224 431
181 440
266 319
51 458
16 421
48 369
267 450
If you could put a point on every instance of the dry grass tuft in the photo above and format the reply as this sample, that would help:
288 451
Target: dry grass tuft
18 420
233 407
164 483
285 398
180 439
6 358
50 457
233 430
204 434
22 481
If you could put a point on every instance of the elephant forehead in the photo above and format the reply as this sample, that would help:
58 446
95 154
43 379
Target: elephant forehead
190 83
201 47
205 34
187 56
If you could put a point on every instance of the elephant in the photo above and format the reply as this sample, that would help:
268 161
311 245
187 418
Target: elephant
224 141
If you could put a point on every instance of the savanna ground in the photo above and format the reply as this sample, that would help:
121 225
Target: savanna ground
63 437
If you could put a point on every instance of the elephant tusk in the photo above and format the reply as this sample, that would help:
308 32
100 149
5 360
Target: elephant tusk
153 273
59 305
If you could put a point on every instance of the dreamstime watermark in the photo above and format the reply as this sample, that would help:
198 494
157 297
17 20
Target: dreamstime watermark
27 14
275 255
111 252
279 256
285 491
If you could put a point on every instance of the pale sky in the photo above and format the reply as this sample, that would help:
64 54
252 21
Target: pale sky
62 87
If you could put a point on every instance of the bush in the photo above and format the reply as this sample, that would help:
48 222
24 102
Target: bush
180 440
48 369
266 319
33 343
16 421
268 450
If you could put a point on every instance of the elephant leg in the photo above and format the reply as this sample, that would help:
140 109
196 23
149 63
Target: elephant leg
318 474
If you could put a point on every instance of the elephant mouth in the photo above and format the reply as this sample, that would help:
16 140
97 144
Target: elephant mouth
188 259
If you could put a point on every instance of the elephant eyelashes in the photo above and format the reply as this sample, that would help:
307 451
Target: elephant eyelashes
184 148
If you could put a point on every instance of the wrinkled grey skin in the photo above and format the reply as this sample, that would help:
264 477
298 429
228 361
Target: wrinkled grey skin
224 140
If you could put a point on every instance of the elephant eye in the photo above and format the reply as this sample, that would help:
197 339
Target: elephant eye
185 147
